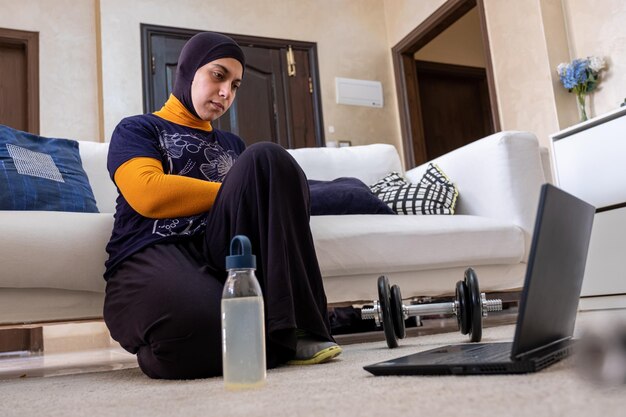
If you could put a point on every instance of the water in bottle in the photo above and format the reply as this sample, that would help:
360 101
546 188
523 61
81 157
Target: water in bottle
243 323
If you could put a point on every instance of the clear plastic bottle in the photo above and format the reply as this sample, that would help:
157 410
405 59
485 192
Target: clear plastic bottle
243 321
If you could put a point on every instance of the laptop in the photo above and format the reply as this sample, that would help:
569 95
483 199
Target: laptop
548 305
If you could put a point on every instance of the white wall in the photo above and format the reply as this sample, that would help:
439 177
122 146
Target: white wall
354 38
522 70
600 29
557 44
402 16
528 38
350 36
67 62
460 44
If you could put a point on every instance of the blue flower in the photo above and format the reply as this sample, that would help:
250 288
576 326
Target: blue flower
581 76
567 77
580 70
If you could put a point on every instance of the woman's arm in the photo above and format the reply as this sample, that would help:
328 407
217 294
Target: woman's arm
154 194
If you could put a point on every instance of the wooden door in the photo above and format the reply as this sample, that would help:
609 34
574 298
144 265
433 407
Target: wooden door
19 80
454 102
258 112
276 102
163 64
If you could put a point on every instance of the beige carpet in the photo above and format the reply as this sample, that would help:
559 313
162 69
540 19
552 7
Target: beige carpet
340 388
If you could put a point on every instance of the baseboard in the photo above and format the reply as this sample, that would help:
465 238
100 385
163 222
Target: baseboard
78 336
57 337
27 339
605 302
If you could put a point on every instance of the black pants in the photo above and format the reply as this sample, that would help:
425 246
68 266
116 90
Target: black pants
163 303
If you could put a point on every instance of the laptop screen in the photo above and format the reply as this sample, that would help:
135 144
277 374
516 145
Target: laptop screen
555 270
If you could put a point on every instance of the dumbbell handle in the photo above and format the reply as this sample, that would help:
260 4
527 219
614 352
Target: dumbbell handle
433 308
447 308
427 309
414 310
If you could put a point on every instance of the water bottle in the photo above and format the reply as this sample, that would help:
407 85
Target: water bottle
243 321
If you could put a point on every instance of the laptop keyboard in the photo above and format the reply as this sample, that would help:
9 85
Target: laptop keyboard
472 353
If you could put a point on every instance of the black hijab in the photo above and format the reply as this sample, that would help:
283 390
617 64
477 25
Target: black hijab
198 51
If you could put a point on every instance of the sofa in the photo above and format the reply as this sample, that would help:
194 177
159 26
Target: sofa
52 261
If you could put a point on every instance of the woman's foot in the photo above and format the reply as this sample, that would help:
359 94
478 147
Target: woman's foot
312 352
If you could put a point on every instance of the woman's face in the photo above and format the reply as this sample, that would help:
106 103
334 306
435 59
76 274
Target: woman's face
214 87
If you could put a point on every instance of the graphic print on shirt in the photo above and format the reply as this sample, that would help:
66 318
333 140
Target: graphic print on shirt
192 156
171 227
177 147
219 164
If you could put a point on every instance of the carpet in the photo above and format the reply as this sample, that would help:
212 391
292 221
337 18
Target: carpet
339 388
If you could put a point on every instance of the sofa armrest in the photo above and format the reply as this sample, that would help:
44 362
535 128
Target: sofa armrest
498 177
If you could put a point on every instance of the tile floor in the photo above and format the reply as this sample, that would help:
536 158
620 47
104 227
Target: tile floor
69 348
76 348
26 365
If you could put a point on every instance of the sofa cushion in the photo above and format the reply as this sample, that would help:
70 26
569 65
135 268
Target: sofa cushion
41 173
352 245
368 163
54 249
434 194
344 196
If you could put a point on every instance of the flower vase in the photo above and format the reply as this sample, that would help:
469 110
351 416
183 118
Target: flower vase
582 106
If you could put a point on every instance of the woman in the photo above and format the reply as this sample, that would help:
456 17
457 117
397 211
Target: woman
185 189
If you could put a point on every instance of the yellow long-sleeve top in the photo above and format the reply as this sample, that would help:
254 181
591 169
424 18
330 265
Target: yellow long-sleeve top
153 193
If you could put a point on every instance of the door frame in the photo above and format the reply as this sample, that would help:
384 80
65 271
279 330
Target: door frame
148 30
407 84
30 42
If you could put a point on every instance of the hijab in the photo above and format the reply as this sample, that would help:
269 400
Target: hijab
197 52
201 49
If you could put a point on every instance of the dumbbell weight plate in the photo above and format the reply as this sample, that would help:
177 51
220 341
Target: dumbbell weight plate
384 300
463 309
476 312
396 311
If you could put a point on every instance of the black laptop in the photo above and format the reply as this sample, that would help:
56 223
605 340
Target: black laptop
548 305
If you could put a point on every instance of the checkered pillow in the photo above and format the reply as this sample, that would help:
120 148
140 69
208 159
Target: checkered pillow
434 194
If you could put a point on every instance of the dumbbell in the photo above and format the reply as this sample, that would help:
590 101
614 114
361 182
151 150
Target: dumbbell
469 307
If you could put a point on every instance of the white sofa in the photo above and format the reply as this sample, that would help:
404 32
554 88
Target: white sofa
52 262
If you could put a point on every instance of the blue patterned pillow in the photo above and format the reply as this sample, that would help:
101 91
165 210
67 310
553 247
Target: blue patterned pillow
38 173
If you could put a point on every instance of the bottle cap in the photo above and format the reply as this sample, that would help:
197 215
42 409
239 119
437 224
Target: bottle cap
240 254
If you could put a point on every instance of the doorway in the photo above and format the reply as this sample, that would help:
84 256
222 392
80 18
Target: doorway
279 100
452 93
19 80
443 106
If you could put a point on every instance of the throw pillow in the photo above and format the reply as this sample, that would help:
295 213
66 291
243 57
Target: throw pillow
38 173
434 194
344 196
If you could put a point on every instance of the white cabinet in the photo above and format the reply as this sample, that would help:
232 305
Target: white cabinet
589 161
605 273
